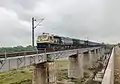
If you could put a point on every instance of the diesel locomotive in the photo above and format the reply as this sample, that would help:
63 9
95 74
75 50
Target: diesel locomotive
55 42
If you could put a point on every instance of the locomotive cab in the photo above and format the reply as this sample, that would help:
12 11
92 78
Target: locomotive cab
44 40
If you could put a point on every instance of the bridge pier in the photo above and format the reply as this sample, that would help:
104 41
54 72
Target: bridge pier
87 60
95 56
44 73
40 74
90 55
102 50
99 54
75 71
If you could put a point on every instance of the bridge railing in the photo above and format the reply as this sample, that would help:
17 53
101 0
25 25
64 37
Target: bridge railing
109 73
16 62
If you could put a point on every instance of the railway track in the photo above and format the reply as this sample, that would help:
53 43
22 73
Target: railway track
15 54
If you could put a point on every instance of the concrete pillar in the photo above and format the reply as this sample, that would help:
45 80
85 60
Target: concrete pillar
106 60
87 60
102 53
52 73
80 63
95 55
75 70
90 55
98 54
40 74
44 73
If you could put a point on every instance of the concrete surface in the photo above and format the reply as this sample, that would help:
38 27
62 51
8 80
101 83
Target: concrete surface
117 65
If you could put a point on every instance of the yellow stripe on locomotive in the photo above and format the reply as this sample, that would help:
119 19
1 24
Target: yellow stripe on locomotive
45 38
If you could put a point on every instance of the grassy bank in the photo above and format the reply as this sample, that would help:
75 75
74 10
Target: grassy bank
24 75
21 76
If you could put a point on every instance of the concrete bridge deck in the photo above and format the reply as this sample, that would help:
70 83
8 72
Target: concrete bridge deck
7 64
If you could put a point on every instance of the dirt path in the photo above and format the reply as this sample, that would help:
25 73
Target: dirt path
117 66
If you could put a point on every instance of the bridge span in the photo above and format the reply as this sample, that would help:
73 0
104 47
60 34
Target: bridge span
78 59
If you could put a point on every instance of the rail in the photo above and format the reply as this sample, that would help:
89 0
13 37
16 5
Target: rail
109 73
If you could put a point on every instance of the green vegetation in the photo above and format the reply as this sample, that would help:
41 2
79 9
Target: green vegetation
24 75
62 64
62 72
17 49
21 76
62 75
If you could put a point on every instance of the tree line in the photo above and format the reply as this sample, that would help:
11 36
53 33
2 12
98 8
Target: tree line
17 49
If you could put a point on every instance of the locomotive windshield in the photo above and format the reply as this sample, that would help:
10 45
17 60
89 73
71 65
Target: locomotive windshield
43 37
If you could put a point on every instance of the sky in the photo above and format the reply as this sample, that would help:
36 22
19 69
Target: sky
96 20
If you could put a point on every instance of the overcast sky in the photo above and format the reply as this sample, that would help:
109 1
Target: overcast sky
97 20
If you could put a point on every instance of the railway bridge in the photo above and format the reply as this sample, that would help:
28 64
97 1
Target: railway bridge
79 60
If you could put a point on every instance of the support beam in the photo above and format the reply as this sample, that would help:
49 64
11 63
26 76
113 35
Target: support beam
52 73
44 73
40 74
90 55
99 54
75 70
95 56
87 60
80 63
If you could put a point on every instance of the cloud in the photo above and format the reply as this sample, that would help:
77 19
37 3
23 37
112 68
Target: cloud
96 19
12 30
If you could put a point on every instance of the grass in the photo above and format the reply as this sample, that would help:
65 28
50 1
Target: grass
62 64
24 75
21 76
62 69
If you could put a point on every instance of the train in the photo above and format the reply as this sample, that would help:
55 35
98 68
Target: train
55 42
50 42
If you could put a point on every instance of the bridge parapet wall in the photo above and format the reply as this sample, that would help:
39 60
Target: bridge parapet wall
109 73
10 63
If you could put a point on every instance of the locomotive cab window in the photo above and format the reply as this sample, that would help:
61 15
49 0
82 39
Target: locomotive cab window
44 37
51 38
